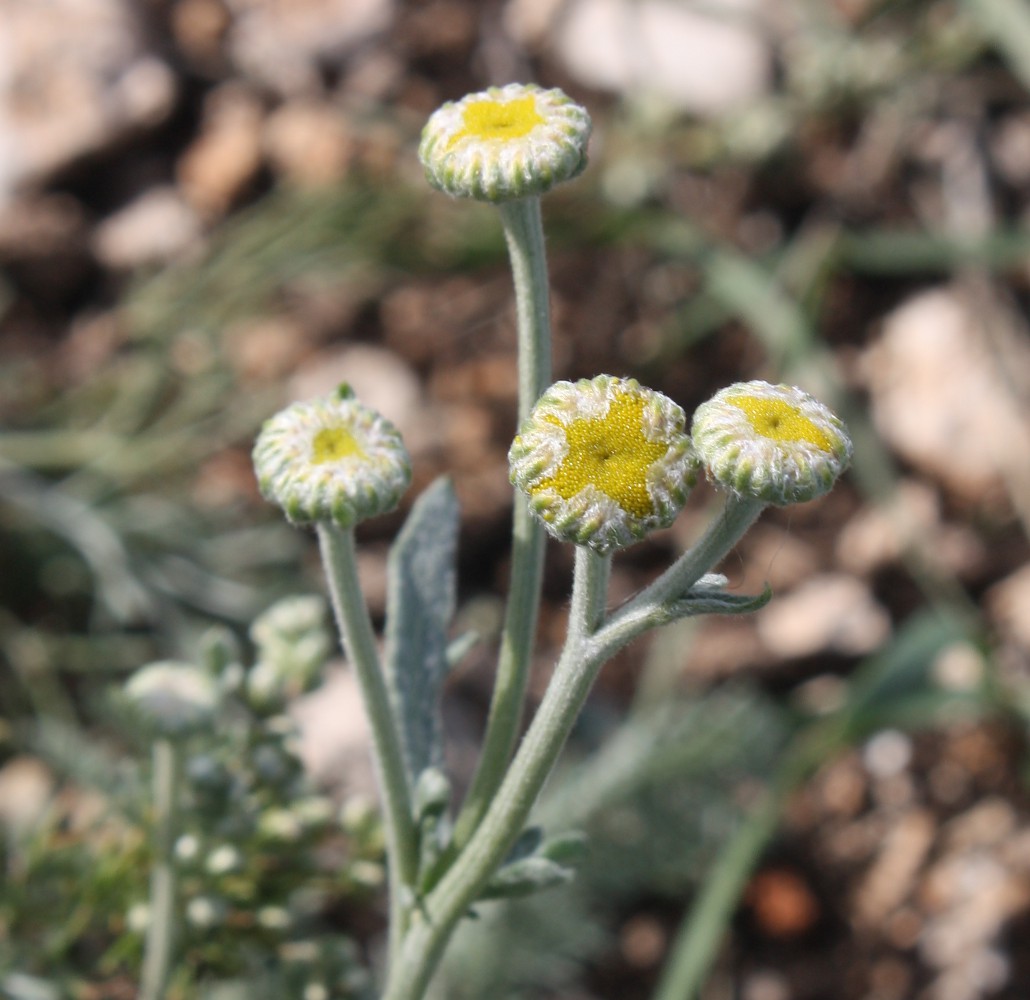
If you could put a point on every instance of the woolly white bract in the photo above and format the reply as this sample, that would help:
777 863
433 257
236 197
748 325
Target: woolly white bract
331 459
504 143
603 461
772 442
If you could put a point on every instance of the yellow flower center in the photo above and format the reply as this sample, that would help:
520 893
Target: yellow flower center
779 421
611 454
333 443
490 119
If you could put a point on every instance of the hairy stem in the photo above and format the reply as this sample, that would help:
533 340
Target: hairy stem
351 611
573 677
639 614
162 927
523 230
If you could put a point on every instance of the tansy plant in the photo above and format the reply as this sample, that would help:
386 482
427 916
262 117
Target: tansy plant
598 463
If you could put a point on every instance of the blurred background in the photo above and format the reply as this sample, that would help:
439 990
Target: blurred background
209 208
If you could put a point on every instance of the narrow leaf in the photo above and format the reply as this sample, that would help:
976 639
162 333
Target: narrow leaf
419 606
717 602
521 878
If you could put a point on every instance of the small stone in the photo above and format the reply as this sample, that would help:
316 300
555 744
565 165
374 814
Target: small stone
199 26
888 753
987 824
334 735
154 228
782 902
940 399
1007 603
530 21
959 667
880 534
890 979
284 45
765 984
75 77
266 348
786 560
910 519
830 612
822 694
219 164
709 61
47 236
26 789
308 143
489 377
1010 146
643 941
890 880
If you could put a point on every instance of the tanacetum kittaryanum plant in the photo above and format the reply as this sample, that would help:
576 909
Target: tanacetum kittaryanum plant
600 462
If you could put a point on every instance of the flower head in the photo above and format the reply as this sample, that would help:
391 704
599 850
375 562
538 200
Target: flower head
505 142
603 461
331 459
173 699
771 442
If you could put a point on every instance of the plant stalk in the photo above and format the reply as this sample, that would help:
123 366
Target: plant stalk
162 928
695 946
694 950
352 618
638 615
523 231
574 675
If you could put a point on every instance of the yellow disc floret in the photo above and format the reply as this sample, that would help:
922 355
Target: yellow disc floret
603 461
773 443
611 454
494 119
778 420
333 443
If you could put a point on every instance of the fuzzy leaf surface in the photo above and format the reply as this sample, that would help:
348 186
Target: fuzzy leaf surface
419 607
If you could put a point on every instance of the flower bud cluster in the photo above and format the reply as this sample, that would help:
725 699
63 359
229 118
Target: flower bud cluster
293 644
604 461
252 825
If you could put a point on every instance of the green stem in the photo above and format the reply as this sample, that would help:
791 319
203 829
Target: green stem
573 677
695 946
694 949
351 611
524 234
161 930
523 231
639 614
590 596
